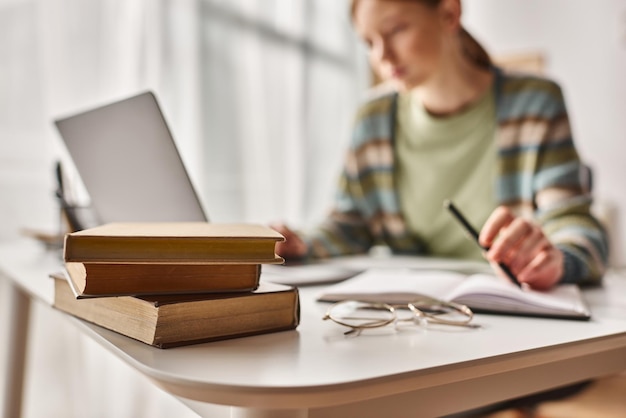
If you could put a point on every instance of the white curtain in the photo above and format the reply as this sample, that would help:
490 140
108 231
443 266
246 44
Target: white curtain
279 85
259 94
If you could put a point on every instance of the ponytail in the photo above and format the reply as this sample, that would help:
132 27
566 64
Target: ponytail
473 50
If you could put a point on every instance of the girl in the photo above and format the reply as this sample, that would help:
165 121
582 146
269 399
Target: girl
456 127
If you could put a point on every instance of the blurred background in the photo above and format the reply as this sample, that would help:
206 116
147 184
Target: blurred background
260 97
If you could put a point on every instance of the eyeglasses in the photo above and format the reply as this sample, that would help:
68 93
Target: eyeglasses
359 315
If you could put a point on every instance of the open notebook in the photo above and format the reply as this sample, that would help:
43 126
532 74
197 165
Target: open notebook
481 292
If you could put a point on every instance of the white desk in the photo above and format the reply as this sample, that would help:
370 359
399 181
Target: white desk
317 372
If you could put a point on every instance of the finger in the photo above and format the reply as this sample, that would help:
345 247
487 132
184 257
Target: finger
528 248
544 271
293 246
506 247
499 218
286 232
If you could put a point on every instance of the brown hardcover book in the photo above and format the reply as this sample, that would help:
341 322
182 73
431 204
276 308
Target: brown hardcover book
175 320
106 279
181 242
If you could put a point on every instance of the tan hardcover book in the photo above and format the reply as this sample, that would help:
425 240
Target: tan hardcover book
106 279
181 242
175 320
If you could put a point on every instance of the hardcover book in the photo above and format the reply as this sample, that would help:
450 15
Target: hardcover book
105 279
170 242
175 320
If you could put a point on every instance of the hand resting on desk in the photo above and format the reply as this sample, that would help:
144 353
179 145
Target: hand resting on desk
293 247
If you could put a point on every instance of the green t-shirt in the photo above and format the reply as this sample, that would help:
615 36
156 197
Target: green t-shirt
441 158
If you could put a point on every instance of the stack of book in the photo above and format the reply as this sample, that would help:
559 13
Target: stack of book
172 284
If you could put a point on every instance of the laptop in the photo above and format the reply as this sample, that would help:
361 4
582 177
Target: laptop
128 162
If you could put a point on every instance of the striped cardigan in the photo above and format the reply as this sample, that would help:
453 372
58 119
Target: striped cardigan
539 177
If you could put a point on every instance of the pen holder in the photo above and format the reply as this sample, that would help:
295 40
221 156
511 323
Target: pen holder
72 217
76 218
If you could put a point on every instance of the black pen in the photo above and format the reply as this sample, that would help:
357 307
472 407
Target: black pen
58 171
474 234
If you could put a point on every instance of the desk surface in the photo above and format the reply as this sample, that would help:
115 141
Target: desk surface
316 367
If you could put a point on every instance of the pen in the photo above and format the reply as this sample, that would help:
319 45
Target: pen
60 192
474 234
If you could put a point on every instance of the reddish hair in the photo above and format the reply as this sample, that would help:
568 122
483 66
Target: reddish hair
471 48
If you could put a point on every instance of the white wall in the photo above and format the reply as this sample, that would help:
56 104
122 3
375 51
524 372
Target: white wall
584 43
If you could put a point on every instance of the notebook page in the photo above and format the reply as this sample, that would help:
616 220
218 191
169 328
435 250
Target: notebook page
495 293
393 285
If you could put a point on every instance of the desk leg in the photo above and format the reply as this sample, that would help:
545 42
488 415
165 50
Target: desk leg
268 413
16 351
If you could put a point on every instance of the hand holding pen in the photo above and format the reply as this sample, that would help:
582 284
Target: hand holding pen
518 246
475 236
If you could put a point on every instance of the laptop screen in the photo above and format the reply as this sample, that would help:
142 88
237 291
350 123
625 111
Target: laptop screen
127 159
